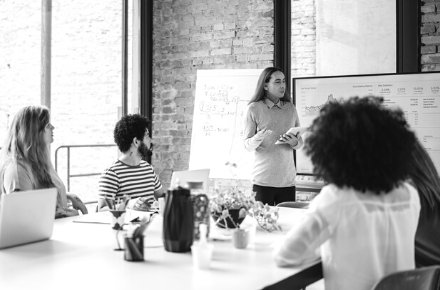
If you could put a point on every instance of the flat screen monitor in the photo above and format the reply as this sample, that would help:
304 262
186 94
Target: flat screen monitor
417 94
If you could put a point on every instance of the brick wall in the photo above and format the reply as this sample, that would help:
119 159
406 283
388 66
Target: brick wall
303 38
430 35
191 35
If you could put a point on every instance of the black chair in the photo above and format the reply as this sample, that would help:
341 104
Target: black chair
426 278
293 204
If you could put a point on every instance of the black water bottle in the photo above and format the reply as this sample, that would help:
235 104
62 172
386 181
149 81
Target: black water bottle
178 221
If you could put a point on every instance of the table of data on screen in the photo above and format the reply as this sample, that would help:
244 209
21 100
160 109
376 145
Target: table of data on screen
418 95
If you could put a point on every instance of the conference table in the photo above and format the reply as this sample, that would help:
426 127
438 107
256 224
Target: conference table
81 255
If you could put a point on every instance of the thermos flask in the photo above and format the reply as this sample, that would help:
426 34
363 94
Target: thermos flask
178 221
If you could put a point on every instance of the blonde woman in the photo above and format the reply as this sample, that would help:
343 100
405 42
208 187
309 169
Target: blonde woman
25 161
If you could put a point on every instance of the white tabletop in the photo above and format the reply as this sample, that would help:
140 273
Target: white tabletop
82 256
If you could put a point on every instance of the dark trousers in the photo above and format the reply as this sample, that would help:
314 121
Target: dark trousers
274 195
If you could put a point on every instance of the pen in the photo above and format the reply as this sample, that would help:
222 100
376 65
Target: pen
108 204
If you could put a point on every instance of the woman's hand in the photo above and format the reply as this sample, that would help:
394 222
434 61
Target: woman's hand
263 133
289 138
77 203
62 212
70 212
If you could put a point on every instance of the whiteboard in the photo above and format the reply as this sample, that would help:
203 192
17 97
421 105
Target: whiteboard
217 132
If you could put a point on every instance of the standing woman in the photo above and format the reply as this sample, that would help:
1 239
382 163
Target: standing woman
25 161
270 114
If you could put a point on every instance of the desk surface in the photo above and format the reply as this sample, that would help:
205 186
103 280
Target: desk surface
82 256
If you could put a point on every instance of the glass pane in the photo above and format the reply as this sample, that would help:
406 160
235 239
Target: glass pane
340 37
86 87
20 51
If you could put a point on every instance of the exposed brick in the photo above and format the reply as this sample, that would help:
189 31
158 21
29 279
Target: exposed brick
201 53
431 39
428 49
430 18
429 28
218 26
262 57
427 8
237 42
430 59
431 67
221 51
224 34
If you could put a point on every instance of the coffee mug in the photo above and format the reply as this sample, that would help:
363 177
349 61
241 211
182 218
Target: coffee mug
240 238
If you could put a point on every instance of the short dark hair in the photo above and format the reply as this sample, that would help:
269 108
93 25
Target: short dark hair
129 127
361 144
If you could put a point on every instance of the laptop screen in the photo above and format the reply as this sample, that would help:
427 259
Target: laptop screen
27 216
199 175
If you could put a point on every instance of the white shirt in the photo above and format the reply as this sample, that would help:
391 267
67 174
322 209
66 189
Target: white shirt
359 237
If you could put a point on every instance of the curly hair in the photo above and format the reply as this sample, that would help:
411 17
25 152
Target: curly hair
361 144
129 127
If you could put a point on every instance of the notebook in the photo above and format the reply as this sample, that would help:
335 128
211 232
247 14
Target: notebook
199 175
27 216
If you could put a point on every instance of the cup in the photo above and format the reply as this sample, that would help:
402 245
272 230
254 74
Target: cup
240 238
202 255
117 219
134 249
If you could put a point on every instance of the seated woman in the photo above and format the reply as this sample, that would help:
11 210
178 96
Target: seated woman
363 223
426 179
25 162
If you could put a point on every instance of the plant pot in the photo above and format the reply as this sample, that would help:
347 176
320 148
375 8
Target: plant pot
233 214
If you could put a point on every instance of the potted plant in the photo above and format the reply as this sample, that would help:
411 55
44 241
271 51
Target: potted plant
229 207
266 216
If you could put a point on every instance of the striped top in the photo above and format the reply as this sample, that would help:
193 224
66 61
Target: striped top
136 181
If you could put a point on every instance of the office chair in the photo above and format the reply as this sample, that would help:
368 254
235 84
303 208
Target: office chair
426 278
293 204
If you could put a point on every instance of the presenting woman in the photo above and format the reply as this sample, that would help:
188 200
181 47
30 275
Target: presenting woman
25 162
269 115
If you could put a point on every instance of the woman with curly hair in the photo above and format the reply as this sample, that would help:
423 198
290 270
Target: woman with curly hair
363 222
25 162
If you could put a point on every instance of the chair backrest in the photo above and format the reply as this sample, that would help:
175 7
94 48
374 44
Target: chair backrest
426 278
293 204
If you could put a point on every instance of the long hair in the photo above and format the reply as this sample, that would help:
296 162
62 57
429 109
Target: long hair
361 144
260 92
25 145
425 177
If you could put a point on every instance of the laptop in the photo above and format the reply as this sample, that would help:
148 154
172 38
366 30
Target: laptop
199 175
27 216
